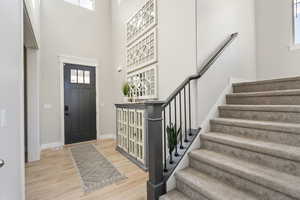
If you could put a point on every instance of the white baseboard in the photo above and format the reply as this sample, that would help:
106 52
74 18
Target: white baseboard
54 145
107 136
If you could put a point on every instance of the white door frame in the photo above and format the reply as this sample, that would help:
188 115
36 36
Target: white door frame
89 62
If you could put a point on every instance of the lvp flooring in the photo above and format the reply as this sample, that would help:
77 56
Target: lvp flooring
55 177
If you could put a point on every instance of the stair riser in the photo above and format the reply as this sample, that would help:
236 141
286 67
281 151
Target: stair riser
188 191
283 165
263 193
259 134
263 100
287 85
291 117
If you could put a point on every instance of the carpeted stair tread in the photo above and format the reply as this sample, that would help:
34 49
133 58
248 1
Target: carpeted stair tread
209 187
267 108
174 195
267 85
267 93
297 78
267 177
265 125
273 149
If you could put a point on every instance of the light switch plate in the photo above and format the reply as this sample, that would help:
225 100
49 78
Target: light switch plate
47 106
3 120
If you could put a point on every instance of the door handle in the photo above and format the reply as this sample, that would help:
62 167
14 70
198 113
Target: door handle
66 110
2 163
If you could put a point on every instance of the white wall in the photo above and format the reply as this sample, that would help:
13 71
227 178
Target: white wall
11 100
274 25
176 41
70 30
216 20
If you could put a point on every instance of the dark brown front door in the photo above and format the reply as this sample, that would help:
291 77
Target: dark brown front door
80 103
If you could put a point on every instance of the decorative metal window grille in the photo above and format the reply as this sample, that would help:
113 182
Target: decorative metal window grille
143 83
142 21
143 52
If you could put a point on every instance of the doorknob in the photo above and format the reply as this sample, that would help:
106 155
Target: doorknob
2 163
66 110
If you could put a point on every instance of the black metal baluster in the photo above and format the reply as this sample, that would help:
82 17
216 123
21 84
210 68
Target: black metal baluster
170 123
165 144
156 185
190 114
181 146
185 131
175 110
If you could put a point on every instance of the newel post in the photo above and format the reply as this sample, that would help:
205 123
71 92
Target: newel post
155 185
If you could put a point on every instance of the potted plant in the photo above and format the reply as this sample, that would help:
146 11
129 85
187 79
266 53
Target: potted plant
172 139
126 90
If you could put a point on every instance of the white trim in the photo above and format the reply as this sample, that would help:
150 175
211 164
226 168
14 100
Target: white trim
33 64
293 46
107 136
84 62
21 84
53 145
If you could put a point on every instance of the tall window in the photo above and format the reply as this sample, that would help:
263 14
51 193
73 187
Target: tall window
297 21
88 4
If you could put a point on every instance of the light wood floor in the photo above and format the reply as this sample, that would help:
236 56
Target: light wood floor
54 177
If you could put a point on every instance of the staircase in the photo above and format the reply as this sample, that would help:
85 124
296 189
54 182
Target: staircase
253 149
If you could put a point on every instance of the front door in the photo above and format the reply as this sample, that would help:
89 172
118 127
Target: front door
80 103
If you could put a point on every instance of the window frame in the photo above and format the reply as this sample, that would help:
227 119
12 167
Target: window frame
86 79
79 4
294 45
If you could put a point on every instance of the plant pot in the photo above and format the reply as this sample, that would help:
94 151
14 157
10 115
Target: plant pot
130 99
